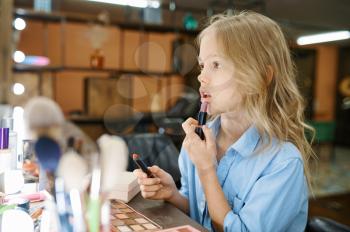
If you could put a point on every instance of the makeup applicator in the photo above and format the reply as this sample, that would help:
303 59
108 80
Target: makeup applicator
44 118
114 159
73 169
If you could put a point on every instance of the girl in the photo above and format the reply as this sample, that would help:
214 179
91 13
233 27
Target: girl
251 171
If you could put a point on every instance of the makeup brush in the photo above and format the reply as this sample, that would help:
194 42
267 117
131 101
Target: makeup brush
114 160
43 117
73 169
94 201
49 153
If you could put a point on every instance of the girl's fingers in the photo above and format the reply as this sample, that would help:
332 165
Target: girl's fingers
189 125
150 188
148 181
139 173
148 194
209 137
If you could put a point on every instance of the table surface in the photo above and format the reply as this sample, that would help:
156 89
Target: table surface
163 213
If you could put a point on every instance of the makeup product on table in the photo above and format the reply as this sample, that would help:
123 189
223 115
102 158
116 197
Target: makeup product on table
202 119
16 220
11 181
185 228
21 203
7 122
139 162
32 197
5 152
126 189
124 218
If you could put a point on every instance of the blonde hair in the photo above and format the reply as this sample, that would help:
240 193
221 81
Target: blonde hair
255 44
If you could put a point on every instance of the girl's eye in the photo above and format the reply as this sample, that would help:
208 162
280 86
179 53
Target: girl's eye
216 64
201 67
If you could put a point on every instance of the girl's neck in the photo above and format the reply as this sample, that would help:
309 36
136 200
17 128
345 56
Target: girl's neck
233 125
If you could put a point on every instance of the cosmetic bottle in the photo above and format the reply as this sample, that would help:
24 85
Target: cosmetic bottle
8 123
5 152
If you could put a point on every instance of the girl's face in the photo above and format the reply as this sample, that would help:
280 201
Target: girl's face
217 77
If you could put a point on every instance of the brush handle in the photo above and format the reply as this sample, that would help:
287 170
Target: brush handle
61 203
94 215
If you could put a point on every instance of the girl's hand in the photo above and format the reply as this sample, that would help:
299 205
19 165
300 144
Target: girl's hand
162 187
201 152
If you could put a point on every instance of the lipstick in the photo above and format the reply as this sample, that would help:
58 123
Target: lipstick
202 119
142 165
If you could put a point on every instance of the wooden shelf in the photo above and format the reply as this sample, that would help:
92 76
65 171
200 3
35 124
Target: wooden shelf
55 69
142 117
86 18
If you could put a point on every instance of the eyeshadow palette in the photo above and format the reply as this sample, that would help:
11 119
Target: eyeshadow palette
186 228
126 219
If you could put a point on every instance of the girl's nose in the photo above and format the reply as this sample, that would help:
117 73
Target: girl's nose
202 78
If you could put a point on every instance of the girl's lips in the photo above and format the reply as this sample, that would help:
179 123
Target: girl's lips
204 94
205 99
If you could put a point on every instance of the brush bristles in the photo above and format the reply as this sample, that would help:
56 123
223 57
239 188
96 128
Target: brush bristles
42 112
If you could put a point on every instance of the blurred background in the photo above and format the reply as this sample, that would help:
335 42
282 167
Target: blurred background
129 68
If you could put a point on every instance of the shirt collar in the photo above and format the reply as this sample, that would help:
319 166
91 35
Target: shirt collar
246 144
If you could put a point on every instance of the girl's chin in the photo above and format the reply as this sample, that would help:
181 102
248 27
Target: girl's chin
210 111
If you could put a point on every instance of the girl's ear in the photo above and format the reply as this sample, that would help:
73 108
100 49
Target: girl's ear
269 74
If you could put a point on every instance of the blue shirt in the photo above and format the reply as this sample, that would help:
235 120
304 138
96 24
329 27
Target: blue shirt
267 191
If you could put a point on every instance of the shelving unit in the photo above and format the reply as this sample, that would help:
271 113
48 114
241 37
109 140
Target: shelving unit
85 18
62 29
19 69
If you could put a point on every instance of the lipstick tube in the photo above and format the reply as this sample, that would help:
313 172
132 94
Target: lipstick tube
202 119
142 165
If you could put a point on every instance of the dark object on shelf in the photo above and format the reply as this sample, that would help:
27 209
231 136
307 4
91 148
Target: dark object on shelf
322 224
189 22
155 149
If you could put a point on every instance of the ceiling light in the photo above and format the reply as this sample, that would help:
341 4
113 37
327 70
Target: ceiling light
133 3
323 37
18 56
18 89
19 24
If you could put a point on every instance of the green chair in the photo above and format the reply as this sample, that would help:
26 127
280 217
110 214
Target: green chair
324 134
